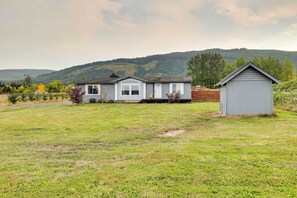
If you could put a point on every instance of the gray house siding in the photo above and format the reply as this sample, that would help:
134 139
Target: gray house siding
165 90
86 97
113 88
187 91
110 92
149 90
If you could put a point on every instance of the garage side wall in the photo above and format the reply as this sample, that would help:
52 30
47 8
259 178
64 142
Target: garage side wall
249 93
223 100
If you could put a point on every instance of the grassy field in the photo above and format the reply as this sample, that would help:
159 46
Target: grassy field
117 150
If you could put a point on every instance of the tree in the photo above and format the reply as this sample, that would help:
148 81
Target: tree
206 69
289 72
28 80
284 71
114 75
69 87
54 86
230 67
41 88
76 95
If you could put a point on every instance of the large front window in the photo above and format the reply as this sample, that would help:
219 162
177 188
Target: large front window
130 89
175 87
92 89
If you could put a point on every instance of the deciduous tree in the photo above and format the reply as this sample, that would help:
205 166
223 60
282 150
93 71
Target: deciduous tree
206 69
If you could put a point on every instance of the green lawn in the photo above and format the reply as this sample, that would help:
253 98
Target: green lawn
116 150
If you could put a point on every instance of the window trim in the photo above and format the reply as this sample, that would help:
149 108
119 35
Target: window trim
130 88
87 89
181 89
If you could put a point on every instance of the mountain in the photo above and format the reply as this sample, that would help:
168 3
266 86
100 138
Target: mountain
172 64
18 74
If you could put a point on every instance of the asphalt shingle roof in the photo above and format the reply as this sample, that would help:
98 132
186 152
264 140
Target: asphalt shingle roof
147 80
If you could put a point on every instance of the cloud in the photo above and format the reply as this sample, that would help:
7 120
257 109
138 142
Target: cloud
56 34
290 31
250 14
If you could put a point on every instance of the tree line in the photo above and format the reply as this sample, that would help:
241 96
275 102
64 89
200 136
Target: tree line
209 68
28 87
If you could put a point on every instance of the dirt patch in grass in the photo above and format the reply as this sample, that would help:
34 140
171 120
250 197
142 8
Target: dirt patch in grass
173 133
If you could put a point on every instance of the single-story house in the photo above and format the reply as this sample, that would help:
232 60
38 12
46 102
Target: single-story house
247 90
135 89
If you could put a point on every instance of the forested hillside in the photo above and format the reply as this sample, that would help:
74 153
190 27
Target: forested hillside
18 74
173 64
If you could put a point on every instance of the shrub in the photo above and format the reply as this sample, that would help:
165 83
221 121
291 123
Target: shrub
31 97
24 97
57 96
76 95
110 101
174 97
44 97
51 97
7 89
37 97
92 100
13 98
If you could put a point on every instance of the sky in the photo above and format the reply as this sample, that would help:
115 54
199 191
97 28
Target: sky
55 34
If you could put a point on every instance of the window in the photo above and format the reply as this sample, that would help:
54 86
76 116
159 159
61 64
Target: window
92 89
175 87
130 89
125 90
135 90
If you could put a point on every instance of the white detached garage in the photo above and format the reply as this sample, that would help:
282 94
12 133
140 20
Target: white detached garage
247 90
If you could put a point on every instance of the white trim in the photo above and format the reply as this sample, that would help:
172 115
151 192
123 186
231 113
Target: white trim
115 91
130 88
98 89
144 90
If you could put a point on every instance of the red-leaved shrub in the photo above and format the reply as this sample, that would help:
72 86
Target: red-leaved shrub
76 95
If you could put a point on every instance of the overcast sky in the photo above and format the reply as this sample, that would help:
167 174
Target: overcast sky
56 34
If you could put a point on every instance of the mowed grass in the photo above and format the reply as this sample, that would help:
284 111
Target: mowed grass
117 150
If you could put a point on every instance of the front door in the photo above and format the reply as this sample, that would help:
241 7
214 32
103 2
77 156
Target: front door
158 90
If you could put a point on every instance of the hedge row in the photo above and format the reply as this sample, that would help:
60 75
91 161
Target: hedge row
14 97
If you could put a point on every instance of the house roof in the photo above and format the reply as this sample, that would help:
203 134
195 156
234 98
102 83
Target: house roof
243 68
97 81
168 79
147 80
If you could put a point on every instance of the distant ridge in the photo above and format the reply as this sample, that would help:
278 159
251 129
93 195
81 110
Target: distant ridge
171 64
8 75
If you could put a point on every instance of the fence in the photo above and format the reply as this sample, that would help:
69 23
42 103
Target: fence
204 94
